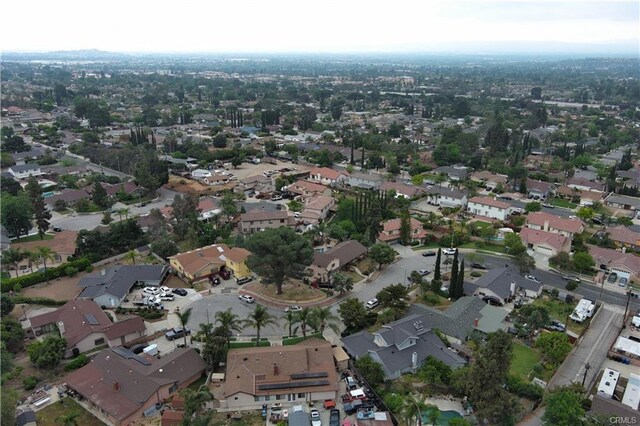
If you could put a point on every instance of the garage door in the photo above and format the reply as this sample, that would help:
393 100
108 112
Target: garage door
621 273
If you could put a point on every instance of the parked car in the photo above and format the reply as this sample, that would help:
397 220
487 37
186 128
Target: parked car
167 297
293 308
449 251
623 282
246 298
137 349
57 229
243 280
373 303
214 281
225 275
176 333
315 418
613 277
532 278
429 253
151 290
334 418
477 266
276 198
164 289
424 272
556 326
179 291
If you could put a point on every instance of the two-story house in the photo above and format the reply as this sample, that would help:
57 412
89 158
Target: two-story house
447 197
391 231
327 176
551 223
257 220
488 207
202 263
340 256
317 208
538 189
365 180
303 189
402 189
25 171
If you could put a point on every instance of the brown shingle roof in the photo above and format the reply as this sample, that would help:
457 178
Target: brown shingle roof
533 236
489 202
562 224
194 260
264 215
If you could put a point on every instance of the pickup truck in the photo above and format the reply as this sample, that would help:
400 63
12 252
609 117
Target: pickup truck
176 333
149 301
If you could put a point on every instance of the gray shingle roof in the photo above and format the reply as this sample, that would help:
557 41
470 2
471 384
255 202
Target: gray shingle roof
499 281
119 280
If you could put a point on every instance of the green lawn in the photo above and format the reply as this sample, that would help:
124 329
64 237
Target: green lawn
563 203
556 310
33 238
524 358
296 340
495 248
235 345
47 416
425 247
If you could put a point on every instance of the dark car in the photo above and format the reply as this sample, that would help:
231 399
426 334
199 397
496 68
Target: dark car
429 253
225 274
57 229
478 266
334 418
176 333
137 349
556 326
179 291
214 281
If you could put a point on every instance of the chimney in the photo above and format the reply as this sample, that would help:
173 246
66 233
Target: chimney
103 272
475 323
546 226
61 328
414 360
276 370
116 386
512 289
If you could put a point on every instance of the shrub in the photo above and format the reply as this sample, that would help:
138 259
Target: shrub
80 361
30 382
476 274
431 299
71 271
571 285
50 274
17 288
524 389
37 301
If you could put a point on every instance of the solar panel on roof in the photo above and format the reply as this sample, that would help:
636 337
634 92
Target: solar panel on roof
291 385
91 319
309 375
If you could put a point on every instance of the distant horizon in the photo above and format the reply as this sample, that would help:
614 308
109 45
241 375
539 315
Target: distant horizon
333 27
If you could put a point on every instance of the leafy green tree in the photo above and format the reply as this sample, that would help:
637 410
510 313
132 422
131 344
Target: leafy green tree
41 214
47 353
10 186
585 213
563 408
382 254
16 214
486 378
554 346
228 205
11 257
454 292
185 212
8 403
533 315
259 319
106 218
342 282
183 317
524 262
562 260
395 298
100 196
11 334
6 305
228 323
164 247
354 315
435 372
412 409
583 261
405 229
533 206
278 253
370 370
194 403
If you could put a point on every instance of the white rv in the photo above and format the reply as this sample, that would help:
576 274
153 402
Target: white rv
583 311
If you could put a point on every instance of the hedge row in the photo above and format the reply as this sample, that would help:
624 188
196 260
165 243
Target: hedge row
37 301
50 274
524 389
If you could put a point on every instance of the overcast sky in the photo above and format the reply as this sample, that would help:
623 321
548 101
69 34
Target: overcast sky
318 26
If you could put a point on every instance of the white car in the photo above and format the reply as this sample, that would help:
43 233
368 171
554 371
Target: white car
532 278
167 297
165 289
315 418
293 308
449 251
373 303
151 290
246 298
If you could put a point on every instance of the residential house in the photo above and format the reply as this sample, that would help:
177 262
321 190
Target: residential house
257 184
454 172
202 263
327 176
127 188
447 197
334 259
365 180
25 171
624 237
501 285
124 387
256 220
112 285
299 374
303 189
86 327
21 158
208 208
402 189
401 346
543 221
626 265
317 208
488 207
63 246
624 202
490 180
547 243
69 197
538 189
584 184
391 231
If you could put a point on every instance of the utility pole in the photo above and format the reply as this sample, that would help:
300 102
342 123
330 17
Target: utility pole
626 308
587 366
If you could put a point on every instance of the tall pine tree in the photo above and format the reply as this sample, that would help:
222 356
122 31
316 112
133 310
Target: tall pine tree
459 292
453 282
40 212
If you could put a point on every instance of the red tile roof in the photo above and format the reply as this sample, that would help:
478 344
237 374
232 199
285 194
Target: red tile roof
557 241
327 173
567 225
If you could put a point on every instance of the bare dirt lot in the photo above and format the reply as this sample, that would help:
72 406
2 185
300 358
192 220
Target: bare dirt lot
60 289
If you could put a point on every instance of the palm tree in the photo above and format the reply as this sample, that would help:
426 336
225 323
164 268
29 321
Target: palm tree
412 410
195 400
323 317
259 319
12 257
184 319
32 257
131 255
68 419
123 212
45 253
229 322
303 317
